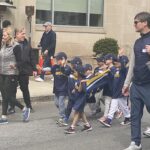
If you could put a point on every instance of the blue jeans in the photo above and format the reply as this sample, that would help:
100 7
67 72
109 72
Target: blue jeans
60 104
139 95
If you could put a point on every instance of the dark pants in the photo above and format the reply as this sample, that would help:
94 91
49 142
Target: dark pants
69 108
8 85
24 86
139 95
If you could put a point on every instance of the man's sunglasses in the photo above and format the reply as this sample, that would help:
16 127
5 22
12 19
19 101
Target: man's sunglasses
136 22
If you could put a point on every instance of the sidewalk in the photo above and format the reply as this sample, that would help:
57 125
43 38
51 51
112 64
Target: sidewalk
39 91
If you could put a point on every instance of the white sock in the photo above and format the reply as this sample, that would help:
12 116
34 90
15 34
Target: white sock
87 124
72 126
4 117
24 108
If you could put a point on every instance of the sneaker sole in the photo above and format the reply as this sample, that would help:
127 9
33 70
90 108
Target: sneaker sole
106 125
125 124
90 129
62 125
146 134
3 123
69 132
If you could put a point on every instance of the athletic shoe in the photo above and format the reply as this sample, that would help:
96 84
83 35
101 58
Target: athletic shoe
106 123
10 111
70 130
147 132
62 123
59 120
46 69
38 79
87 128
98 110
3 121
133 146
126 121
102 119
94 113
26 114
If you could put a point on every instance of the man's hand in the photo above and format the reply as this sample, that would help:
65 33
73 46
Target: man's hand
46 52
121 52
13 66
125 90
34 73
63 62
147 47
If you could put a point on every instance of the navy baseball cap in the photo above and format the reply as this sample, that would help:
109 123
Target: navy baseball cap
124 59
79 69
87 67
110 57
61 55
76 61
100 59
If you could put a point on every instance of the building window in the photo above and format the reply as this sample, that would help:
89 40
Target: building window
96 12
43 11
70 12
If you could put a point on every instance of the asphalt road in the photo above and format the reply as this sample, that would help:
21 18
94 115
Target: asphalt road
42 133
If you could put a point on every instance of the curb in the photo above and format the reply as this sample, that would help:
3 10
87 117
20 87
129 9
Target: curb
40 98
37 99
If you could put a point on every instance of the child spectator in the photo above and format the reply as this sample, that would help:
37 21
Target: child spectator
117 97
61 71
80 92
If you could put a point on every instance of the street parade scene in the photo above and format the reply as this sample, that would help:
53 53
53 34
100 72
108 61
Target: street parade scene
74 74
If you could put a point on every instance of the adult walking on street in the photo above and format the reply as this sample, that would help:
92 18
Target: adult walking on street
48 44
139 75
28 66
10 65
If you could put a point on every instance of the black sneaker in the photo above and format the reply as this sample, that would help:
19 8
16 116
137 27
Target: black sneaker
98 110
3 121
106 123
11 111
126 121
87 128
70 130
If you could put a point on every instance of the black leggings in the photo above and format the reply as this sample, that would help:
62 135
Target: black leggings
8 87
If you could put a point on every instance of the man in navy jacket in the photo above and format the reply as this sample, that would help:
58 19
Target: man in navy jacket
48 44
139 75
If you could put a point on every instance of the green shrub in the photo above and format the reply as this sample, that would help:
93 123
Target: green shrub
105 46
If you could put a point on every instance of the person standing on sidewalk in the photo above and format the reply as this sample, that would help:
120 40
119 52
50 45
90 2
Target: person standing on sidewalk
48 44
139 74
10 65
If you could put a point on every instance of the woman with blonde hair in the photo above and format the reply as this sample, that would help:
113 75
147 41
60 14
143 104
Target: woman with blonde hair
10 64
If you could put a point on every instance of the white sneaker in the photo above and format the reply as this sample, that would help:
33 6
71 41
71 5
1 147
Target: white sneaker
147 132
134 147
38 79
46 69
